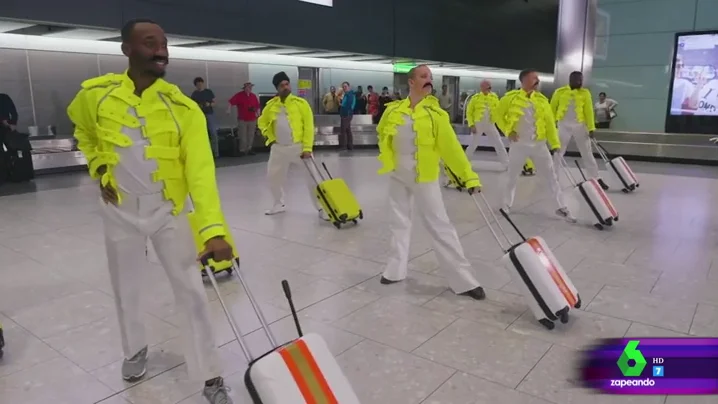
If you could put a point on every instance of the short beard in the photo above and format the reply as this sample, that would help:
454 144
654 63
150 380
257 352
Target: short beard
156 74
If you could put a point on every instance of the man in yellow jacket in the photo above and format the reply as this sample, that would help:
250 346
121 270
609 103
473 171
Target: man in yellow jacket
525 115
480 115
414 135
147 145
287 121
573 109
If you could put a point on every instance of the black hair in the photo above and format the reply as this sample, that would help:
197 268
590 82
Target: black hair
198 80
576 73
385 88
369 87
129 26
526 72
601 94
347 83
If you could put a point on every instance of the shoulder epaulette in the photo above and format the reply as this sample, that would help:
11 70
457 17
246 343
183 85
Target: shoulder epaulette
102 81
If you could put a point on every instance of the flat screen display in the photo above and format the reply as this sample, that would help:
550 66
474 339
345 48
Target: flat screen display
695 81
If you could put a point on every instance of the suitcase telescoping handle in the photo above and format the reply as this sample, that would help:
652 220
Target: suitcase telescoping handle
601 150
288 295
230 317
495 219
316 173
580 170
564 167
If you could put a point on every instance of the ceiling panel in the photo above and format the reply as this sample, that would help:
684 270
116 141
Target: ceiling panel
82 33
7 26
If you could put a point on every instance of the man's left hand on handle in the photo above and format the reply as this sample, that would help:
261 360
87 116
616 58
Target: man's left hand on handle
591 134
305 155
218 249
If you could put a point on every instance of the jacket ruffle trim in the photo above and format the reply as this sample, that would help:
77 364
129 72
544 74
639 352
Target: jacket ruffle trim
564 100
516 112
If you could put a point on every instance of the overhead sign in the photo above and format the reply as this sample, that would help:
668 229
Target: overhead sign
403 67
327 3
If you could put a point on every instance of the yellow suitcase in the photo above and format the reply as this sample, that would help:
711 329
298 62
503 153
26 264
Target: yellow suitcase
216 266
335 197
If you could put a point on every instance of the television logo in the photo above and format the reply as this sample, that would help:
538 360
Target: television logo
631 353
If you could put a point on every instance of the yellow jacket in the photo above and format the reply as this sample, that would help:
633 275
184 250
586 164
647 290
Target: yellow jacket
435 141
477 106
581 97
177 132
511 109
299 114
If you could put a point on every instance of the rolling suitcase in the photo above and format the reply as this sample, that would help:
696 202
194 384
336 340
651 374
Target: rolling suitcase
217 267
595 205
620 174
334 196
302 371
2 341
547 289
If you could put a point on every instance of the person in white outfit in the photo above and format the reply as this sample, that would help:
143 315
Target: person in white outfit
287 121
479 114
147 145
525 114
414 135
572 107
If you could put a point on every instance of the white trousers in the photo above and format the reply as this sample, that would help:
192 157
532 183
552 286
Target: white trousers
281 157
494 136
127 228
427 197
579 133
538 152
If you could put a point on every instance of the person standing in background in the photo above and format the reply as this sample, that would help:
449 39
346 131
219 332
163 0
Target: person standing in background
8 113
331 101
287 121
480 115
361 101
604 110
147 149
204 97
373 104
346 112
247 104
384 99
445 99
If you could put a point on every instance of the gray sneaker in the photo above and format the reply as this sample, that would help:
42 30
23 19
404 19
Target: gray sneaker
217 393
135 368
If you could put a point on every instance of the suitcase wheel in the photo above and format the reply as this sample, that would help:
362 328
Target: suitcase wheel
563 315
343 217
547 323
615 219
638 185
337 225
599 226
355 221
625 191
609 221
361 215
578 302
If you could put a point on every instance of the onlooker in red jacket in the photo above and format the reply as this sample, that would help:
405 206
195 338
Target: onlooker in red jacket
373 104
247 104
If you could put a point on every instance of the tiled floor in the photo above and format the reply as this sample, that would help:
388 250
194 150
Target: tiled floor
654 274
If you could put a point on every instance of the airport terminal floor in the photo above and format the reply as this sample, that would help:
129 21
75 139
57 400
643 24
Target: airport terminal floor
655 273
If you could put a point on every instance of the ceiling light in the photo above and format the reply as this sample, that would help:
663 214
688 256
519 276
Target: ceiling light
229 46
281 51
324 54
82 33
7 26
179 41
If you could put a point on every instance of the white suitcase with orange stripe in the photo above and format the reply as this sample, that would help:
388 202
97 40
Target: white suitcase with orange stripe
620 174
302 371
595 205
547 289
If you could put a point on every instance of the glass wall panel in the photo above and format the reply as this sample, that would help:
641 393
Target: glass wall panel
14 81
261 76
364 78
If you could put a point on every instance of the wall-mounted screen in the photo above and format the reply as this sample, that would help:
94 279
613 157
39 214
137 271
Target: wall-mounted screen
694 85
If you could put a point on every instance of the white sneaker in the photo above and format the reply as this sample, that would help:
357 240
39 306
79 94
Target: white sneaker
323 215
279 208
564 213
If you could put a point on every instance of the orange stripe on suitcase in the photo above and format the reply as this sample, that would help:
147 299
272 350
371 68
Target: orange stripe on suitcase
553 271
306 374
604 198
630 172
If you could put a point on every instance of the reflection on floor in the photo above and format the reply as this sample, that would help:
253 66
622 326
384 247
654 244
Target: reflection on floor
654 274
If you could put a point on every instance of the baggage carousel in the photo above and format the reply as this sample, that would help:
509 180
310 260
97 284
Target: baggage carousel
57 154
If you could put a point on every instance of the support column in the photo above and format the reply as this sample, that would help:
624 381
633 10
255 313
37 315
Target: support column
576 40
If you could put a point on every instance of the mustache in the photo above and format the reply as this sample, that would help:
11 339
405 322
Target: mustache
160 59
428 85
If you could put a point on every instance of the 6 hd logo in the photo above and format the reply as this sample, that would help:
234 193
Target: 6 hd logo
632 363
